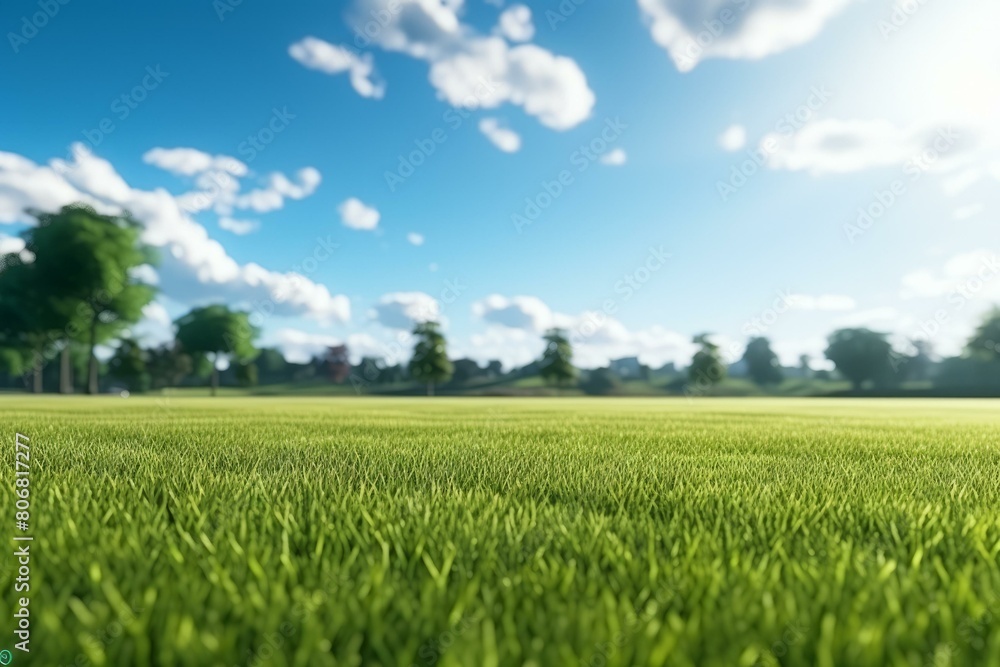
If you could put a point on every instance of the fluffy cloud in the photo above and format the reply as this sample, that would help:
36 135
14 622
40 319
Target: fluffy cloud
238 227
966 212
331 59
194 267
844 146
503 138
515 24
403 310
476 71
191 161
10 244
415 239
596 337
733 138
278 187
357 215
615 157
694 30
962 278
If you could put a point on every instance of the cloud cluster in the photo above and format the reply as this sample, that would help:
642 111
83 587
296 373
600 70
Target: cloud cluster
194 267
476 71
694 30
502 137
404 310
329 58
355 214
515 24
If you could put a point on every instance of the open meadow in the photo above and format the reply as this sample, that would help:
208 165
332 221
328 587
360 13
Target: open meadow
270 531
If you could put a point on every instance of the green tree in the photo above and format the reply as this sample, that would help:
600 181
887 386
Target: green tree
762 363
430 363
168 365
246 374
217 332
860 355
707 368
985 342
128 364
85 263
28 324
601 382
556 365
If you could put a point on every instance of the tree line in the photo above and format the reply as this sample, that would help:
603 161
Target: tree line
79 284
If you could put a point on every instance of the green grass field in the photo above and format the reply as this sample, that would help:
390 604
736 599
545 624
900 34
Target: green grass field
259 531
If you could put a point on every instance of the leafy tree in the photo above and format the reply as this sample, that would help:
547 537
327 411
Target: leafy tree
762 363
168 365
466 370
985 343
128 364
430 361
804 365
28 324
706 369
246 374
556 366
272 365
85 263
600 382
860 355
217 332
494 368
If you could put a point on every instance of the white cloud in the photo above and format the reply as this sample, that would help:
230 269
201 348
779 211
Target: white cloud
238 227
964 277
733 138
515 24
357 215
475 71
596 337
145 274
844 146
503 138
332 59
415 238
966 212
403 310
10 244
694 30
194 267
272 196
156 327
191 161
615 157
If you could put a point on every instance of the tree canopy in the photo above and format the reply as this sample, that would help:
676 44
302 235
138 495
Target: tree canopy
430 363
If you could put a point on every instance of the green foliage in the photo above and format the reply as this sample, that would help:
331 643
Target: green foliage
556 365
217 331
168 365
600 382
128 364
84 264
762 363
985 343
246 374
861 355
707 369
430 363
501 532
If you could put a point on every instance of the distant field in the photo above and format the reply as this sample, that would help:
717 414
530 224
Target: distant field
467 532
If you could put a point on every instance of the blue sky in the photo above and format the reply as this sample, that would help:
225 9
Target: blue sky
653 113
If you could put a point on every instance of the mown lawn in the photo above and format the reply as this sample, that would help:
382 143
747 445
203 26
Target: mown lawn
269 531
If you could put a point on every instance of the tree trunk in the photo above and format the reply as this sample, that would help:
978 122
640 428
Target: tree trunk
36 384
92 387
65 371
